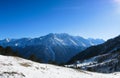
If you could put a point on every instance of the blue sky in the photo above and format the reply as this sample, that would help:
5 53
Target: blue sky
34 18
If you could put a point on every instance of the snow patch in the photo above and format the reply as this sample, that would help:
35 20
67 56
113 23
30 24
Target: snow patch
73 42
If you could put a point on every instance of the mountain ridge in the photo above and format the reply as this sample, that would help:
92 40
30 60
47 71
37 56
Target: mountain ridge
52 47
103 58
99 49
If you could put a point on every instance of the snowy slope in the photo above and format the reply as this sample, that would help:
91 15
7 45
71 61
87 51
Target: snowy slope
105 63
107 47
14 67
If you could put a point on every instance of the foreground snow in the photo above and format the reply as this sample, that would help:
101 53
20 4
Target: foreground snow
14 67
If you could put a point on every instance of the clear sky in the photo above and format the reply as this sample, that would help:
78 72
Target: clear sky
34 18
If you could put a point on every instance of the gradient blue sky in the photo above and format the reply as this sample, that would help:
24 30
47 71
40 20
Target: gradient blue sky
34 18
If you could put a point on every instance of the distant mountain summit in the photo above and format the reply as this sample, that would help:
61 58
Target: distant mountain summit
52 47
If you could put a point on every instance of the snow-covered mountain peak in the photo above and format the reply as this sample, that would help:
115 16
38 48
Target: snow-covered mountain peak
63 38
51 46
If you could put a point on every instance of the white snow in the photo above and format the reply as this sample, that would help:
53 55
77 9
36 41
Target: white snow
7 39
14 67
83 63
91 43
73 42
16 44
83 44
59 40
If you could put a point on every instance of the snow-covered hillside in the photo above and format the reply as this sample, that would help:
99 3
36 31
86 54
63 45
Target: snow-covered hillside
105 63
109 46
14 67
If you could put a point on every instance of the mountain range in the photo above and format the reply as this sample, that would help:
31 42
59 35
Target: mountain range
59 48
82 54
